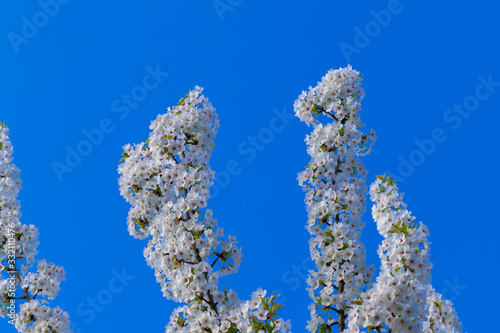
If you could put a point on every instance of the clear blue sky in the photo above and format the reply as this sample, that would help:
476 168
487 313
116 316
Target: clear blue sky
70 75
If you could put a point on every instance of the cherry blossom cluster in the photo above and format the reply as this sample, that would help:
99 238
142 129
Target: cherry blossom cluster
18 248
167 180
35 317
402 298
335 186
255 315
441 315
46 282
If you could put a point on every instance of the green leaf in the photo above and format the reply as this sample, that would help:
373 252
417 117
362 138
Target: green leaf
276 307
180 322
344 247
125 155
329 234
232 329
315 109
256 325
197 234
140 222
439 305
391 181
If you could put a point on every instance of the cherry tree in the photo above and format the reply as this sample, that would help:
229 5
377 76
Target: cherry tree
19 281
167 180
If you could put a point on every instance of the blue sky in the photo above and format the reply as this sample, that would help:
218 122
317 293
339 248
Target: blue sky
432 82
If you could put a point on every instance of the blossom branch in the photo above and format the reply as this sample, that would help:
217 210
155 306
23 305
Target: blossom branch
334 181
402 299
167 181
19 247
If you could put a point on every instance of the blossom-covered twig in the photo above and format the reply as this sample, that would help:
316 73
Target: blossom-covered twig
18 248
402 299
167 180
335 183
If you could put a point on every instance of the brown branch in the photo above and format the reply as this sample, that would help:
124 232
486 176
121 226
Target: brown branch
19 281
212 265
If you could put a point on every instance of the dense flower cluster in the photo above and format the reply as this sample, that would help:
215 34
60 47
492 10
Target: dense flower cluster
18 247
167 181
335 183
47 319
441 315
402 299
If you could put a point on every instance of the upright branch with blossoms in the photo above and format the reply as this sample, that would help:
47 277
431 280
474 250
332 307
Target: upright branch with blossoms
402 299
335 186
167 180
18 247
